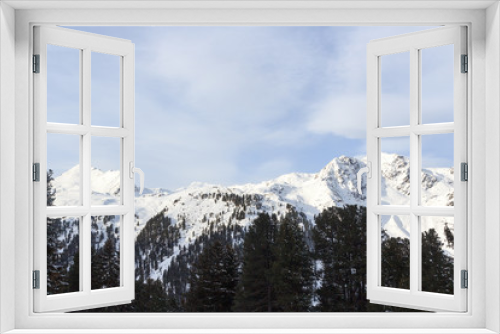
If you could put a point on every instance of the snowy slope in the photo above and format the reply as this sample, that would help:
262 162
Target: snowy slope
199 204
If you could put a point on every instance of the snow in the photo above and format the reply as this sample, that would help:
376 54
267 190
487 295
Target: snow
310 193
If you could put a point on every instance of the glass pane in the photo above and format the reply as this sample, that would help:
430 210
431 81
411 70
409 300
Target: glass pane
63 84
437 254
395 251
63 170
63 246
105 90
105 252
437 170
105 173
395 171
395 89
437 84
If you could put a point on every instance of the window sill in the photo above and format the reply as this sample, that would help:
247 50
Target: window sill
250 331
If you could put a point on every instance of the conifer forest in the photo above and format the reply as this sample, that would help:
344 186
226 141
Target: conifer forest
277 263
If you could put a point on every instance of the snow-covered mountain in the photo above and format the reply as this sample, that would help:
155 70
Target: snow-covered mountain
199 204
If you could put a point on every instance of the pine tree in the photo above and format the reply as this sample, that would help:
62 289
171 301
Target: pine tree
437 267
51 192
74 274
96 270
109 260
255 290
105 266
149 297
56 272
340 248
292 269
395 262
230 276
213 280
450 238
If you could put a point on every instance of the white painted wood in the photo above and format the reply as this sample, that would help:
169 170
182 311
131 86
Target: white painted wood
245 4
78 129
413 43
471 322
460 155
7 167
373 184
254 331
418 210
85 185
415 155
419 129
108 210
86 298
492 163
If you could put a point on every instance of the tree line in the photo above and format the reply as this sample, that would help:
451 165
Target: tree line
276 264
277 271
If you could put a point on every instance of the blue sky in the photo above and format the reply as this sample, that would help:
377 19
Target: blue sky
230 105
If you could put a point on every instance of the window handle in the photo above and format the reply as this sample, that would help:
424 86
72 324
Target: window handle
132 171
368 170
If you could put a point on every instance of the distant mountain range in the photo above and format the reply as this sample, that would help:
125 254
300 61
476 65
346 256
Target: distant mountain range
199 204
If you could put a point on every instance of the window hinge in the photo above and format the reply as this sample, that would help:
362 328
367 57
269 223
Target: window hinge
36 279
36 172
465 279
464 171
465 64
36 63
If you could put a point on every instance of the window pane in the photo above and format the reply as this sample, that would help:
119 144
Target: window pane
395 251
63 84
63 246
63 170
105 90
105 174
437 84
395 89
395 171
437 254
437 170
105 252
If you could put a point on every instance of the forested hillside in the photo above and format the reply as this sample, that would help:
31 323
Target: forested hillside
293 244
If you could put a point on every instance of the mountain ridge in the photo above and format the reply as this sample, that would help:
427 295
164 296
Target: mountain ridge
200 206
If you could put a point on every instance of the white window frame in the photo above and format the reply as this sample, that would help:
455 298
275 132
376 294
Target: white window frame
86 43
483 20
413 43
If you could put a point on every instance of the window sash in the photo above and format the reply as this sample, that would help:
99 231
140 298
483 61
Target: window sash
86 297
413 298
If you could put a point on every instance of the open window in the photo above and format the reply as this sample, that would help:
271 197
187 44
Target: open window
84 233
95 75
428 113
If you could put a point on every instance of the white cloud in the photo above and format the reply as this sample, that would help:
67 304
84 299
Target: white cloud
343 116
227 94
342 110
245 76
224 99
